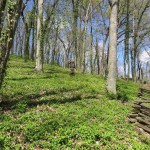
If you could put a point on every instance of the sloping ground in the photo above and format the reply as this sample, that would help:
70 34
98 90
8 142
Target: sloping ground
54 110
145 91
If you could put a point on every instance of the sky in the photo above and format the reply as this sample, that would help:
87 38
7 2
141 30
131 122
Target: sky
144 57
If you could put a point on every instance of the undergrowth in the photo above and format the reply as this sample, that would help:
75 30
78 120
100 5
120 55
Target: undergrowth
53 110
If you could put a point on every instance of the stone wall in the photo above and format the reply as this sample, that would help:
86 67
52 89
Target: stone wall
141 114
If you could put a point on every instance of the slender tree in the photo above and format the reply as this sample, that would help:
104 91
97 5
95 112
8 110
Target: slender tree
39 50
112 62
2 8
75 4
13 9
127 36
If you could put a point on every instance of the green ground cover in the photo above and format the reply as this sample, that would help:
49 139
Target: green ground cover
53 110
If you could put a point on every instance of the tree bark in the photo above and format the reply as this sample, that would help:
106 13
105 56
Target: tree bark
75 27
126 51
55 45
103 61
39 50
97 57
91 50
7 40
2 8
27 38
112 62
84 36
33 39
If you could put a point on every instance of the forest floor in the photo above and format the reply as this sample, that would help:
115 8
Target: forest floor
53 110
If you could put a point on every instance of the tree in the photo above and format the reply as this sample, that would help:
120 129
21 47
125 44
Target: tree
13 11
28 24
137 34
2 8
112 61
39 51
79 30
126 50
75 4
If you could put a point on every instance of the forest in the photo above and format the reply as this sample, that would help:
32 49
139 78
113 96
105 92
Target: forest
75 74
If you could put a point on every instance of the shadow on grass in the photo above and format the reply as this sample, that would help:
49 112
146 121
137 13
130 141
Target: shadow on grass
54 101
33 100
24 67
52 71
47 75
27 78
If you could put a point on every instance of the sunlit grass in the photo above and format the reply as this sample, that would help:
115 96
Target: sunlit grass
53 110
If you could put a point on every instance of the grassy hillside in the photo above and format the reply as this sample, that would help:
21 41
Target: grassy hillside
54 110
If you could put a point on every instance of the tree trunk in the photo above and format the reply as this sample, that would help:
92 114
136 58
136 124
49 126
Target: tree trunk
75 27
126 51
84 48
20 48
84 36
103 61
55 45
2 8
26 50
33 39
112 62
97 57
39 51
7 40
134 53
33 25
80 48
91 50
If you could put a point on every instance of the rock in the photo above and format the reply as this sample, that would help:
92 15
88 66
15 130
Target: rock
143 121
132 120
133 115
145 128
